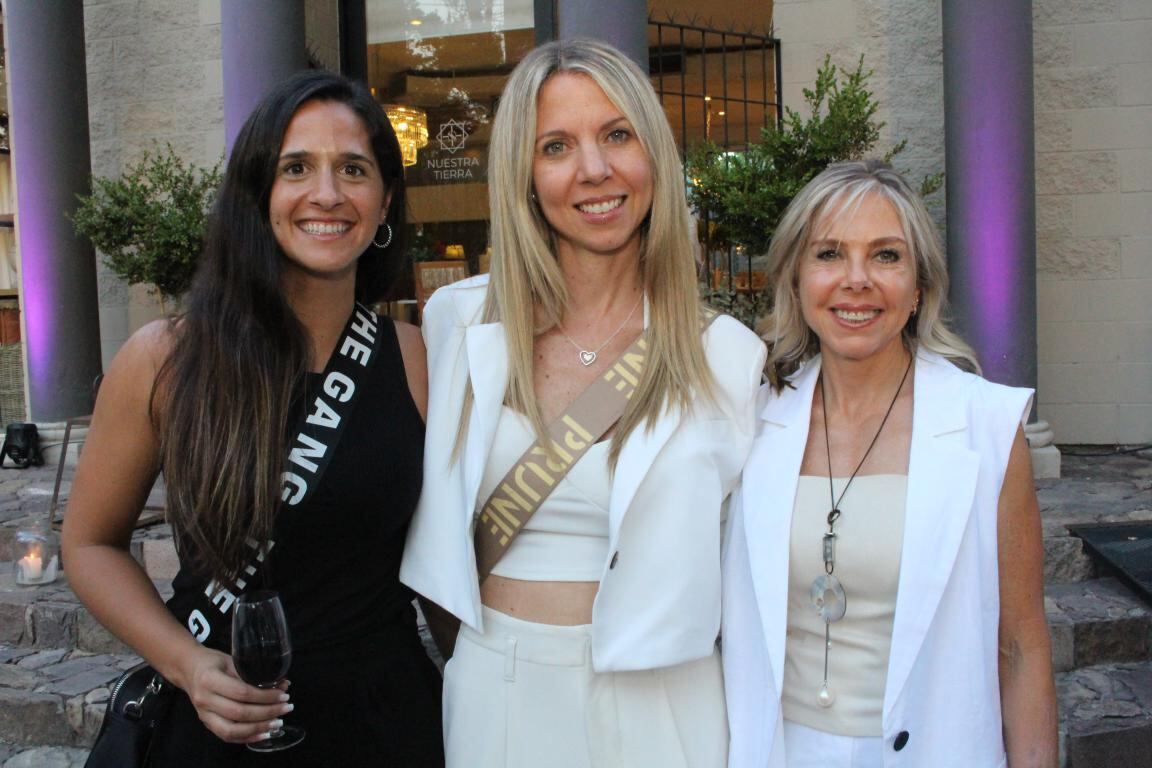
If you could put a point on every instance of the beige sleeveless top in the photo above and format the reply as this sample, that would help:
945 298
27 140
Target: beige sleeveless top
870 532
567 538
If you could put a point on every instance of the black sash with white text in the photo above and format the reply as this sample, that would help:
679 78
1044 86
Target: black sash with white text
320 427
323 425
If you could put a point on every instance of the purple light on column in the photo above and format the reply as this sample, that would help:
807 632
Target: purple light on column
36 288
49 124
992 260
991 182
261 44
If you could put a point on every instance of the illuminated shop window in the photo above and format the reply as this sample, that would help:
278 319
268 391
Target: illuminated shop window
438 67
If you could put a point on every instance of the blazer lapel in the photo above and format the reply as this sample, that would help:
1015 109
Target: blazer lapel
942 473
636 457
768 493
488 372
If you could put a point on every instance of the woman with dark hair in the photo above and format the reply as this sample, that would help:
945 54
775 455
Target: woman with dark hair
288 422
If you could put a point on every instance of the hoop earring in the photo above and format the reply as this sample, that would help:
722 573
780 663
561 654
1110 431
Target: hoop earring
387 240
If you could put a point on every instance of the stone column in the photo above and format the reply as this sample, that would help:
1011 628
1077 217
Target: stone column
622 23
262 42
50 155
989 156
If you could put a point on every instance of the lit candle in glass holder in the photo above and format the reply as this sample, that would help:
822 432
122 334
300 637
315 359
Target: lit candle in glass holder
37 556
31 567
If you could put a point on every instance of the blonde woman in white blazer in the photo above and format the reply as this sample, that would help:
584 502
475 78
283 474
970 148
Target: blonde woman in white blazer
593 641
941 656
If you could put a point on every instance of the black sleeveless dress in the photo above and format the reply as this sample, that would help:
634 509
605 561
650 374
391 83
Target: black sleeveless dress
364 690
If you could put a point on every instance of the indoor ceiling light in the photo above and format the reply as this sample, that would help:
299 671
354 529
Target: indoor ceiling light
411 127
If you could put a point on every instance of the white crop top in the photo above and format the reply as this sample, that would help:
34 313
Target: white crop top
869 536
567 538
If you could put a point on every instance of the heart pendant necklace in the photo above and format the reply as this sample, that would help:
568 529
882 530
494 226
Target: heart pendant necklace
827 593
588 356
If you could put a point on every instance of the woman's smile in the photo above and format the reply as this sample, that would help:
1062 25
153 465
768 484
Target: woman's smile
328 197
591 175
857 280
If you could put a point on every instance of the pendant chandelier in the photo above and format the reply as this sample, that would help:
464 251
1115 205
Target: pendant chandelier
411 127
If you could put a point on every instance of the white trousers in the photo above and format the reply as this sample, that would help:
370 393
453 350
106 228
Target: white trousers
524 695
809 748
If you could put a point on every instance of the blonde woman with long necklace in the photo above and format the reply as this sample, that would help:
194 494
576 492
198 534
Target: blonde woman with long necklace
883 598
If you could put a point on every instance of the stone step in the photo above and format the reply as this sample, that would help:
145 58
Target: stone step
1065 561
50 616
1106 716
25 500
12 756
1077 501
156 551
1097 622
55 697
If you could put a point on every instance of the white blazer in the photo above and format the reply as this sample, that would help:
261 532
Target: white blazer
659 598
942 696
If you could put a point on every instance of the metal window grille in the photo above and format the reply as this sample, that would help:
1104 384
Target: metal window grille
720 85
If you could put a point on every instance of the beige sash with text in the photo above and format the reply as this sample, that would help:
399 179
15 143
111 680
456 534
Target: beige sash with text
536 473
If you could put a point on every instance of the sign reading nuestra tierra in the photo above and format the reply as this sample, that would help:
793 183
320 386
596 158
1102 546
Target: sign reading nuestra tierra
448 159
448 169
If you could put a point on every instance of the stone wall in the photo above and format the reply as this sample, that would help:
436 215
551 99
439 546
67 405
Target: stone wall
154 78
1093 74
1093 92
901 42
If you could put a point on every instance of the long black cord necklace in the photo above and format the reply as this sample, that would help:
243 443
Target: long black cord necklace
827 592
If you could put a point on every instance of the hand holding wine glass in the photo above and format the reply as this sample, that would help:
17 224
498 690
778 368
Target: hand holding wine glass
262 653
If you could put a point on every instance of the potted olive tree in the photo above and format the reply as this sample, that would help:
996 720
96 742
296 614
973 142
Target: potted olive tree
740 196
149 222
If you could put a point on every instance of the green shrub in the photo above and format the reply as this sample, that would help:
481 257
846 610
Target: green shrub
742 195
149 222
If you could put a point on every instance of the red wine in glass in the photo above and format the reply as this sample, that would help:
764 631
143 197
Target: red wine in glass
262 653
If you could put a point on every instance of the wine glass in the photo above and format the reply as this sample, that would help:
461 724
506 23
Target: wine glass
262 653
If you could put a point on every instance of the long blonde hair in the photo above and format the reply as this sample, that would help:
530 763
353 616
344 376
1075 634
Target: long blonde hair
836 189
524 269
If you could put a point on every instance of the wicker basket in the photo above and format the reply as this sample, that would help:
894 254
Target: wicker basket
11 383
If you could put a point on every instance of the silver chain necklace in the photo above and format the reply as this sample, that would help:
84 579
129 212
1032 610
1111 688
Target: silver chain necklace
588 356
827 594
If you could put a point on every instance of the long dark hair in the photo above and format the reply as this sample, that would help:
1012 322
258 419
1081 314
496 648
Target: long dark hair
224 394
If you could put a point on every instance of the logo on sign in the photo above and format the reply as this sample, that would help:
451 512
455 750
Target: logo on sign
444 165
452 136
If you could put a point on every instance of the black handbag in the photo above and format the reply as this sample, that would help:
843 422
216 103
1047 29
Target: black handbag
22 445
140 699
